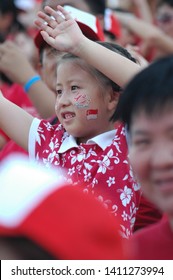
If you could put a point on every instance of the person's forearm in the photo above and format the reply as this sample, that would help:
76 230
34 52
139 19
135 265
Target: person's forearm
41 96
138 26
15 122
118 68
144 10
150 33
162 42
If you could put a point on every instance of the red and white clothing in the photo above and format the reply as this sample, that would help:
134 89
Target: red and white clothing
154 242
100 166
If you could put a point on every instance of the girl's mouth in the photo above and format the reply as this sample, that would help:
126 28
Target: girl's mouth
68 116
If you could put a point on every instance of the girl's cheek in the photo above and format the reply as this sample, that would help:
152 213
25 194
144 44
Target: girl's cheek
82 101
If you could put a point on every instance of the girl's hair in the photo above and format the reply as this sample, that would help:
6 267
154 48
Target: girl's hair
150 91
102 80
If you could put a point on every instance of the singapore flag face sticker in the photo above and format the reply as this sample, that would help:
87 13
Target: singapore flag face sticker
92 114
82 101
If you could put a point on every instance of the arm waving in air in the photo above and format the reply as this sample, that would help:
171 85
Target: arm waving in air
61 31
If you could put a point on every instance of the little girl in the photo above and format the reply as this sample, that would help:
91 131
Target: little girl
87 143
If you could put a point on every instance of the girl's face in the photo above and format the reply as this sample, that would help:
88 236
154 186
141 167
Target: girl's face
151 156
81 106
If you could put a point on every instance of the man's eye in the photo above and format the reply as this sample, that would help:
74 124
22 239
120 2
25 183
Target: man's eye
142 142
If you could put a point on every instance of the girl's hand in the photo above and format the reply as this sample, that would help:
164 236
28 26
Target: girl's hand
60 30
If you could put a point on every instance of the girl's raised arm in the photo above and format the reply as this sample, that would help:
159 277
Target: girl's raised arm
15 122
62 32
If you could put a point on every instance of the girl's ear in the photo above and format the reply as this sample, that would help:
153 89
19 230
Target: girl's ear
113 99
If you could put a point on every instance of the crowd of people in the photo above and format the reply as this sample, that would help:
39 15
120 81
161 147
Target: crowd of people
86 131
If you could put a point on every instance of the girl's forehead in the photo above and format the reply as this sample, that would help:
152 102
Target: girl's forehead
72 61
70 71
74 66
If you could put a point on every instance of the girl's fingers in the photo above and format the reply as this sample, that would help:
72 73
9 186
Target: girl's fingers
47 38
57 16
51 18
60 15
46 20
64 12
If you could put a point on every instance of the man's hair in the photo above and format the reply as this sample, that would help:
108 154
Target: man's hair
150 91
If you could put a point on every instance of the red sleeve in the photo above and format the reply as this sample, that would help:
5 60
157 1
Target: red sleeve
147 214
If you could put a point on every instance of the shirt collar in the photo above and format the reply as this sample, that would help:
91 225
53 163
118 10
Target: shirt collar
102 140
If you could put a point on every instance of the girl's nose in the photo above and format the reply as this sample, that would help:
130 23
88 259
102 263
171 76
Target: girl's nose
64 99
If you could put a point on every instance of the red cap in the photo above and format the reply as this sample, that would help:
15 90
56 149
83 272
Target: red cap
88 23
112 24
58 217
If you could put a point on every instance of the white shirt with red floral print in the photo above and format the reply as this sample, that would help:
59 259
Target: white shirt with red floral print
100 166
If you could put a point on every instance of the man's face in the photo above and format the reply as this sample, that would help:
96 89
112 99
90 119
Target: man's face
165 19
151 156
81 5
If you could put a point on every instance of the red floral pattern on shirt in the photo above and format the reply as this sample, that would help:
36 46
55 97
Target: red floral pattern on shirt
106 174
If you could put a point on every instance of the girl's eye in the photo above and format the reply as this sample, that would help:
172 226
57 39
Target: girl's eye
74 87
59 91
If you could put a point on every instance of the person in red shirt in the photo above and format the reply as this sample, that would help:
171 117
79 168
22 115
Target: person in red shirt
85 142
41 94
148 118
